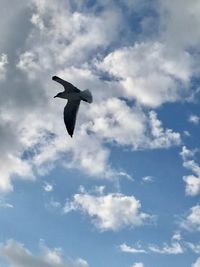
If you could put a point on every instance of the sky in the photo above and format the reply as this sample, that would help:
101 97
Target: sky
124 191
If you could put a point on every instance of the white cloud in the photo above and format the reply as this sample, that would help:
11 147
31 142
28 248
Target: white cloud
3 63
19 256
178 17
194 247
126 175
192 185
192 181
192 220
173 248
148 179
116 121
125 248
149 73
98 189
109 212
177 236
67 33
177 246
197 263
186 153
186 133
14 166
37 21
28 62
161 137
138 264
194 119
4 204
48 187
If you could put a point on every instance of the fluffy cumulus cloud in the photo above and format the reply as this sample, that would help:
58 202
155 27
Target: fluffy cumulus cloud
109 212
192 220
192 181
178 17
72 34
148 73
115 121
11 149
85 45
19 256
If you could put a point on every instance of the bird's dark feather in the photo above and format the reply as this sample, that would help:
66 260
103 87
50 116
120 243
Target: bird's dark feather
70 112
69 88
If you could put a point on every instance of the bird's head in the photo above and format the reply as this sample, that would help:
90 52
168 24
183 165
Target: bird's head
58 95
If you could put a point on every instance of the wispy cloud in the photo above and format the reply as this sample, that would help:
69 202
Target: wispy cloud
177 246
173 248
5 204
125 248
194 247
148 179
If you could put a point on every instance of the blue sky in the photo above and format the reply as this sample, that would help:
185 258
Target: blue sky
124 191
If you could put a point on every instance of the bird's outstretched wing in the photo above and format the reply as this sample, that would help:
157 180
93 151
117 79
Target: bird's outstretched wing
69 88
70 112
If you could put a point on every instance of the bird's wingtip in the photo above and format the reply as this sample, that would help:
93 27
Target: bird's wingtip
70 134
54 77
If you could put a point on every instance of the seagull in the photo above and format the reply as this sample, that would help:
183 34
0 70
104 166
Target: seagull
74 97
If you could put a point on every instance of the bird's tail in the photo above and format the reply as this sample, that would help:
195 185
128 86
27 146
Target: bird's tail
86 96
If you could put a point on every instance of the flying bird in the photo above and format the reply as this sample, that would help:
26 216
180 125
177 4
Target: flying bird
74 97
